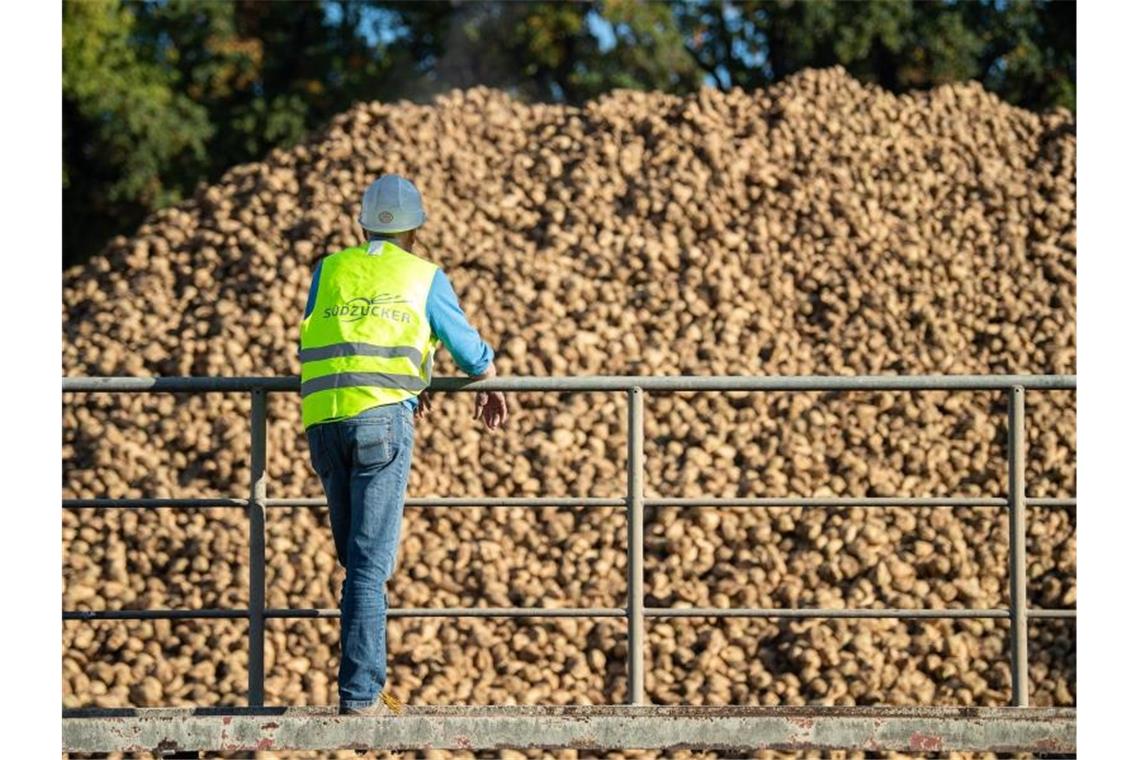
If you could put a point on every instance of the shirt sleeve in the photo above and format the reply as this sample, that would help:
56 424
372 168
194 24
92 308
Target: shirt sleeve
312 300
450 325
313 289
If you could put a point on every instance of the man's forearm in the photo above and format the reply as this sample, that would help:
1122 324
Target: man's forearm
487 373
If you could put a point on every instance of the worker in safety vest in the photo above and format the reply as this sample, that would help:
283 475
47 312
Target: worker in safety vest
375 314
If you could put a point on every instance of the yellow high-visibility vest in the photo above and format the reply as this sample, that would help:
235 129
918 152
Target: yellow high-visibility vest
367 340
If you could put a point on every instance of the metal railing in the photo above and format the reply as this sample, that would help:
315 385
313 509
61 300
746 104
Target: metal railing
635 502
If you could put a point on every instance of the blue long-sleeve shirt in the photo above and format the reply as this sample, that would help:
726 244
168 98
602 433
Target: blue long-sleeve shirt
446 317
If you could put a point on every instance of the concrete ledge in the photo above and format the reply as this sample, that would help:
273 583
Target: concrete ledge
601 727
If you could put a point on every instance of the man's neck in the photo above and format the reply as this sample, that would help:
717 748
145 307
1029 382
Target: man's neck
389 238
376 243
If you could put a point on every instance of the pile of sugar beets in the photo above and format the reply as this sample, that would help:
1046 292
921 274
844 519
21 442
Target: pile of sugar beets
820 226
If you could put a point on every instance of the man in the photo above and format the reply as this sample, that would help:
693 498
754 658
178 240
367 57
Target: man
375 314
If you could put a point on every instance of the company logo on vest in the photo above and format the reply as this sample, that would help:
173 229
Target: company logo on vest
377 306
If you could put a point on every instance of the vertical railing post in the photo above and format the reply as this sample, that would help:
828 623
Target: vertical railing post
256 512
1018 614
635 512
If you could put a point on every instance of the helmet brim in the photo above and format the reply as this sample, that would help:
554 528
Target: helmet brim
394 228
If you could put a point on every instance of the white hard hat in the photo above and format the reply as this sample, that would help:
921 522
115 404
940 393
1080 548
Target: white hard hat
392 204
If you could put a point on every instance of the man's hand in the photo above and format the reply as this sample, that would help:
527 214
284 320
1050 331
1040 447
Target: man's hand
424 405
490 405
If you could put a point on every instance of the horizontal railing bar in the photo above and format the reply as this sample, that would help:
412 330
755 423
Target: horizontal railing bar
841 613
571 612
153 503
829 502
846 502
462 612
591 501
489 501
153 614
602 383
1049 501
475 501
179 384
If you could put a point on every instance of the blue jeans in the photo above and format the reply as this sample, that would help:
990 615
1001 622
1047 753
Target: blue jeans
363 463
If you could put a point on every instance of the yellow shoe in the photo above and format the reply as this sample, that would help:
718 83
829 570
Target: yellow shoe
393 704
385 704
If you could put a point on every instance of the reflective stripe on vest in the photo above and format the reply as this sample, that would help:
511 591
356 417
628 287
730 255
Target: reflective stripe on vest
367 340
350 379
359 349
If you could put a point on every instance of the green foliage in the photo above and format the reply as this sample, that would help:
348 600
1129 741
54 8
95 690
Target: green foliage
542 50
162 95
526 48
126 124
1025 50
648 54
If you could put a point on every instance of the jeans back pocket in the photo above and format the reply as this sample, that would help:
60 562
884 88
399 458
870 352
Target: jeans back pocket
375 442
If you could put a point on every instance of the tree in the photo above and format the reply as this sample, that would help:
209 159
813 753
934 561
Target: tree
160 96
543 50
1022 49
127 126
